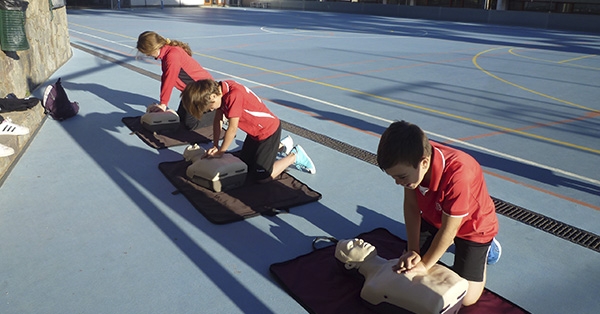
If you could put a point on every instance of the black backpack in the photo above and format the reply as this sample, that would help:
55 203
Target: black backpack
57 104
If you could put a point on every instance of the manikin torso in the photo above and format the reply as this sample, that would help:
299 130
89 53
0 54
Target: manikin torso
438 289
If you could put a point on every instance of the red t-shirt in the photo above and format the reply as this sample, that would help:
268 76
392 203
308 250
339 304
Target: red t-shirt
178 70
255 118
458 188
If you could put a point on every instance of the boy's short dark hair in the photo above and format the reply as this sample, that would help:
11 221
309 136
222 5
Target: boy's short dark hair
195 97
402 143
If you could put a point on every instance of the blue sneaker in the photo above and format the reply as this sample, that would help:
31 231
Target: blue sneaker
303 162
494 252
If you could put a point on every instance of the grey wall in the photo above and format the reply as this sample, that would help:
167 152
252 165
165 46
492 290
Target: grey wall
573 22
47 33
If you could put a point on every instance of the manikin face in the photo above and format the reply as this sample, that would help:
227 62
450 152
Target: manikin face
407 176
355 250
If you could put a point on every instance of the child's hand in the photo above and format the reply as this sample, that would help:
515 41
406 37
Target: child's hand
408 261
156 108
213 152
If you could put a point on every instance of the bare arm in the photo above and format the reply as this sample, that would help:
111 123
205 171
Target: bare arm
229 134
442 240
412 221
217 127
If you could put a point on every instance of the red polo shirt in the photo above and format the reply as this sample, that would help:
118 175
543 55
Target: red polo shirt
458 189
256 119
178 70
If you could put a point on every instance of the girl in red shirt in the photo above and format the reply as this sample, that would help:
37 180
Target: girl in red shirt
179 69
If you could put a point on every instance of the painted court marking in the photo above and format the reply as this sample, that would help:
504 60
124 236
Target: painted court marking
364 114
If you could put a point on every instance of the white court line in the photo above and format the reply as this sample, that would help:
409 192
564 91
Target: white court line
477 147
388 121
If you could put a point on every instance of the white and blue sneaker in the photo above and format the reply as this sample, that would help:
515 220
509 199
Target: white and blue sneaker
303 162
287 143
494 252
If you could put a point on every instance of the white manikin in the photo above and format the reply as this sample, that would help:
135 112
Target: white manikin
440 290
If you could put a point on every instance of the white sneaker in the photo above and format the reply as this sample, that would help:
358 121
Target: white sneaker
6 151
288 144
9 128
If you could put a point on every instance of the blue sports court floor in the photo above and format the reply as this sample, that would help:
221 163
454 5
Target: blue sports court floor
89 225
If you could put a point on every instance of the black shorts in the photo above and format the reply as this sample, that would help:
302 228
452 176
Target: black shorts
260 155
470 257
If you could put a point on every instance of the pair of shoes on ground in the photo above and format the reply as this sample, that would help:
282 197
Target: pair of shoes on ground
303 162
9 128
494 252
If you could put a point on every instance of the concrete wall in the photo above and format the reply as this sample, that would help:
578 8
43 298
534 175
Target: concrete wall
573 22
49 48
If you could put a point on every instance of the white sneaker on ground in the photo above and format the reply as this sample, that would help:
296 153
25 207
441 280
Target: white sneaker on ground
6 151
9 128
303 162
288 144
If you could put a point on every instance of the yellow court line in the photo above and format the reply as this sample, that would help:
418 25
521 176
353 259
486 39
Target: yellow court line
578 58
443 113
522 87
103 31
406 104
512 52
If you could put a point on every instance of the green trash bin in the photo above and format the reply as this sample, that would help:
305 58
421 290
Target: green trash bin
12 25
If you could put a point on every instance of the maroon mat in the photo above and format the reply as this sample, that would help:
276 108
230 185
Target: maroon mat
247 201
168 139
320 283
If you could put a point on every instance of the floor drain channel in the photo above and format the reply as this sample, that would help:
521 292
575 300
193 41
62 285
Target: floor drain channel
552 226
578 236
557 228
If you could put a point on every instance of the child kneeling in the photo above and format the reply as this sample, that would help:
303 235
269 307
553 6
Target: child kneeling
244 110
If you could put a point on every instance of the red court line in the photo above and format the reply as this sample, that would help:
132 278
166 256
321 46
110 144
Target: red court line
569 199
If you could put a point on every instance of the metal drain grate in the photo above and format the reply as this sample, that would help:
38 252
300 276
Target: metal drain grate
562 230
557 228
552 226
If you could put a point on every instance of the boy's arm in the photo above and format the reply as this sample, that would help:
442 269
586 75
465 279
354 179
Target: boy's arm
442 240
229 134
412 220
217 127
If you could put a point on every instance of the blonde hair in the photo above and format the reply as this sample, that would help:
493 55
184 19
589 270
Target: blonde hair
150 41
195 97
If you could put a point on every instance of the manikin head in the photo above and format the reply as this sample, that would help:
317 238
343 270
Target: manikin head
352 252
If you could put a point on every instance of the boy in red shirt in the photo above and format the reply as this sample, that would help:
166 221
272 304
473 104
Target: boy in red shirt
246 111
445 201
